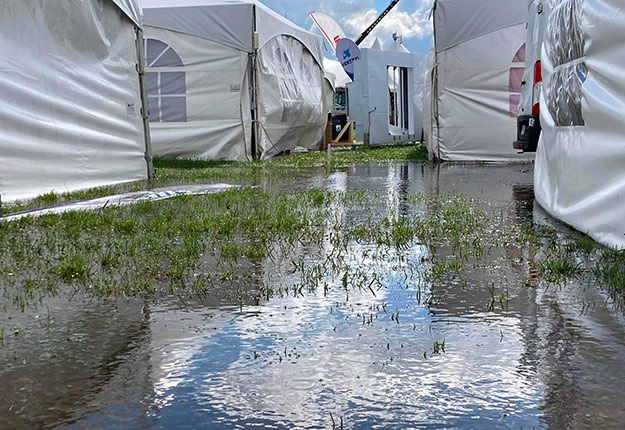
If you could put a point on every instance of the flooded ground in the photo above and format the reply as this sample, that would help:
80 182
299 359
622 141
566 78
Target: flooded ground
483 344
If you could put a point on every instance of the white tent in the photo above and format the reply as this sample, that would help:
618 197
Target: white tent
473 81
335 73
335 78
228 79
579 175
383 97
70 99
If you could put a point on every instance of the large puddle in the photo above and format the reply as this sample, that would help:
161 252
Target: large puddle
410 355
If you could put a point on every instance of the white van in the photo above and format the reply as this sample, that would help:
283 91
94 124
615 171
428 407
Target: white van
528 120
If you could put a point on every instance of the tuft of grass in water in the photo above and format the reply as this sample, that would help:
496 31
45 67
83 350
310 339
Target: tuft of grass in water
439 347
611 269
73 268
48 198
558 265
585 244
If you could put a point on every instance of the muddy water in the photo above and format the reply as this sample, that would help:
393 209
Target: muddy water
552 357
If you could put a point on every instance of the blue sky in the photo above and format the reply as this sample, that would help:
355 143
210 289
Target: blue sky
409 18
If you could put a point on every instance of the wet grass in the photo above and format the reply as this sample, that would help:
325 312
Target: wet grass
558 265
184 171
611 269
193 247
225 244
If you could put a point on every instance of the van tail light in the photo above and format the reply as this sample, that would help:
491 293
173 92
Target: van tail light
537 89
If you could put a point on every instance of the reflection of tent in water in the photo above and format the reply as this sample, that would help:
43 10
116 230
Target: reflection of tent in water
231 79
70 99
579 173
473 79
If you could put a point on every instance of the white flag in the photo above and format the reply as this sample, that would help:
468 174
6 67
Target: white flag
330 29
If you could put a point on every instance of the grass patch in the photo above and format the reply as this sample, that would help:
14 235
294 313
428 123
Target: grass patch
611 269
184 171
558 265
258 243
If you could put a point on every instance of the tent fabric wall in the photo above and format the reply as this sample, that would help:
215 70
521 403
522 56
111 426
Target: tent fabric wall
469 81
69 97
214 77
458 21
289 74
579 176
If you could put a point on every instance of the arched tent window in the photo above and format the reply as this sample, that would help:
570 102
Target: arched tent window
166 80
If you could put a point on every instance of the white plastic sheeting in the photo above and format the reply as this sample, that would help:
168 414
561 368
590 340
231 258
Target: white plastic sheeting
579 175
458 21
205 60
132 8
119 200
69 97
473 79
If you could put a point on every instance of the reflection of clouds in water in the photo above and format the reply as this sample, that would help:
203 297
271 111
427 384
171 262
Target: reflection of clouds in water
172 355
333 361
351 369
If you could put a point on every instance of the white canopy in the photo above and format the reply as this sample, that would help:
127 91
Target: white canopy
70 101
473 79
579 175
227 22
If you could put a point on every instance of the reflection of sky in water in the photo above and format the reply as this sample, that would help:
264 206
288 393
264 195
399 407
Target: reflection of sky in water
293 361
289 362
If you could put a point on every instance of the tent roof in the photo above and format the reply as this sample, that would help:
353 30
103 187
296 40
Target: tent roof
458 21
132 8
335 73
397 47
377 44
228 22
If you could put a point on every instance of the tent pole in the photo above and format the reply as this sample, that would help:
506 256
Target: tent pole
145 111
434 85
254 78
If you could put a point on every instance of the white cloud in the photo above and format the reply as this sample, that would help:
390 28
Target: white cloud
409 25
409 18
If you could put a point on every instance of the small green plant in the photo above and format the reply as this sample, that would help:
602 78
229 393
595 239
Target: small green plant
585 244
558 265
73 268
439 347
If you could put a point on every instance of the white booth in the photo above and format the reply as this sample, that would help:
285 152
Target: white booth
231 79
383 100
70 97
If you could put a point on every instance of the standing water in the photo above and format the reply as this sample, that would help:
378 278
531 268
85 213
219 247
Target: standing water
379 344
